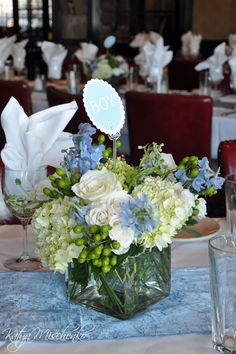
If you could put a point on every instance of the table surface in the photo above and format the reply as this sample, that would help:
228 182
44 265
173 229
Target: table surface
184 254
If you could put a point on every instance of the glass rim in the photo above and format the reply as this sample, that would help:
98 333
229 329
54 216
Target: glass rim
219 248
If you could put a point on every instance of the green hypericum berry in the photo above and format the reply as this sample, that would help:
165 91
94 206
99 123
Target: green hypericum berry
105 261
93 229
195 212
83 253
105 229
97 238
98 250
106 154
81 260
193 159
118 144
60 172
106 269
103 237
47 191
101 139
106 251
78 229
97 262
63 183
194 172
113 261
73 179
181 166
185 160
109 149
80 241
115 245
92 255
197 202
55 194
52 178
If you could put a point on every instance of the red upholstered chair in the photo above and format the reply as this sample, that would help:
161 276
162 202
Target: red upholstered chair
56 97
182 75
227 164
182 123
21 92
227 157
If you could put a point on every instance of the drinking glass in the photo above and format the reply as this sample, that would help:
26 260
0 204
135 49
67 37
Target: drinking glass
216 76
19 189
222 255
230 200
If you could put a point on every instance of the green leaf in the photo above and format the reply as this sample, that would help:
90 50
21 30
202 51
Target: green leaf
191 222
134 250
192 232
80 273
17 181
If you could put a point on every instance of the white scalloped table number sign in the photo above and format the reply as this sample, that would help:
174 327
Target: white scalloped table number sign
104 107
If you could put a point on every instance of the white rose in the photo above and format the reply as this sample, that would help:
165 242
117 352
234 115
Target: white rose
114 201
98 216
125 236
95 186
168 161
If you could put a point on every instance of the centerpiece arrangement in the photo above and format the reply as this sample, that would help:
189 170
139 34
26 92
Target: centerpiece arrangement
107 66
108 225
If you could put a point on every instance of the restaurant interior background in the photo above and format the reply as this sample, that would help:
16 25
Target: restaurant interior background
71 22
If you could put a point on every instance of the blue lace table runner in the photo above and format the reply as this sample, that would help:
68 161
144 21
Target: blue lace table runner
34 306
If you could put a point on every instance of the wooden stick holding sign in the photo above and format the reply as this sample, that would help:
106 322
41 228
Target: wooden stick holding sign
104 107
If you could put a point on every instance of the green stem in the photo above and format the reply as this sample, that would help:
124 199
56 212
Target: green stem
111 294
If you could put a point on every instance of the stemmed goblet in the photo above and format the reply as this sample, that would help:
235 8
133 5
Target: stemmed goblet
216 76
19 189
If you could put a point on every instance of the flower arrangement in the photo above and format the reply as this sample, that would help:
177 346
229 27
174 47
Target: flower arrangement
100 213
107 66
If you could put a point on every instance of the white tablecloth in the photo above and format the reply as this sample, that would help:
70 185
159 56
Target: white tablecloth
183 255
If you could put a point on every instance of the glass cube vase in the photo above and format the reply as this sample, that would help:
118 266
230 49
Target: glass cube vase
134 285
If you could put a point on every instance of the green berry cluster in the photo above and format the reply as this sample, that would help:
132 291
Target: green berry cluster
107 153
190 165
98 248
61 182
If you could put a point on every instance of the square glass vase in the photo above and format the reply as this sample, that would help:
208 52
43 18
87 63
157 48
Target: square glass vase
131 287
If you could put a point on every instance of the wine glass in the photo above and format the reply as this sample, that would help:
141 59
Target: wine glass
216 76
19 189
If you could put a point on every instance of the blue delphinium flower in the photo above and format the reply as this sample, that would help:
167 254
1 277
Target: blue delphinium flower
139 215
181 176
79 212
85 156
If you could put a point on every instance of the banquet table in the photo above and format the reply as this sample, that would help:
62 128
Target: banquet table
184 254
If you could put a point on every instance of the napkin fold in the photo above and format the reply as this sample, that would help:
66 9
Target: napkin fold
53 55
214 63
141 38
35 141
232 42
19 53
5 50
190 43
86 53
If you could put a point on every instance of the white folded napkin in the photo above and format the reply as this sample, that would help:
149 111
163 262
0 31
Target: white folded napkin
214 63
141 38
87 52
35 141
19 53
5 50
190 43
143 59
53 55
232 42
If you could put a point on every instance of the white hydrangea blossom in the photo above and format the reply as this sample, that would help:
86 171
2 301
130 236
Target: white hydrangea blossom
54 230
174 205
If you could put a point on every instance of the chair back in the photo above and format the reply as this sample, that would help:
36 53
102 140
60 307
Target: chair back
21 91
182 123
56 97
227 157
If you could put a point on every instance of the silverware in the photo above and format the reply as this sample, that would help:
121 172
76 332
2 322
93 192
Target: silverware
225 114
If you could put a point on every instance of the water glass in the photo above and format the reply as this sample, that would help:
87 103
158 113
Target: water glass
204 83
230 200
222 255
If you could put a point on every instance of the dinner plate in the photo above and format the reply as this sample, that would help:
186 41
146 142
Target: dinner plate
206 227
